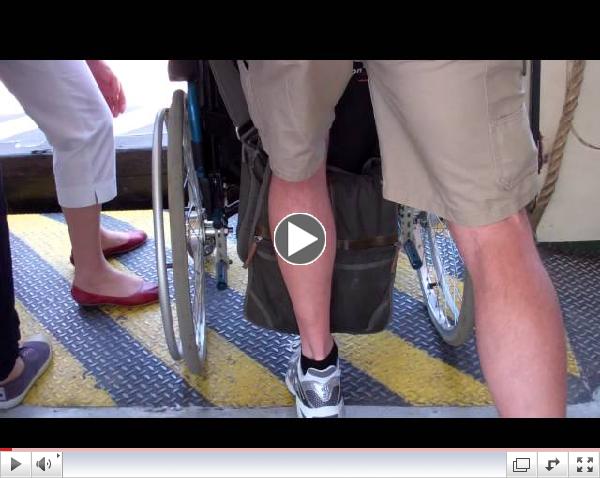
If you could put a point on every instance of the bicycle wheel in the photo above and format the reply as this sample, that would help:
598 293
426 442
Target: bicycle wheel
444 280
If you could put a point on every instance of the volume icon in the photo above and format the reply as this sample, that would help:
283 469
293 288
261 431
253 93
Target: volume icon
43 464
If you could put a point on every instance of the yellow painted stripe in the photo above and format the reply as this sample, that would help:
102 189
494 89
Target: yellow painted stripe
386 357
406 370
412 373
406 278
232 377
65 382
406 281
572 364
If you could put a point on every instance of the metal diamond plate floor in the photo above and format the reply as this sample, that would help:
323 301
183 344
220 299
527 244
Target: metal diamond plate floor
117 356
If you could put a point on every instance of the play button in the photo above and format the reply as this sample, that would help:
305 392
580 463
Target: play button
15 464
299 239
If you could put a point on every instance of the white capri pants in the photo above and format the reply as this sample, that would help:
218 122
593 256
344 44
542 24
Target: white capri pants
63 98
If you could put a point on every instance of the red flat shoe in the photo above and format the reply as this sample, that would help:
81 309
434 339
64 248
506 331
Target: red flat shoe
135 239
146 294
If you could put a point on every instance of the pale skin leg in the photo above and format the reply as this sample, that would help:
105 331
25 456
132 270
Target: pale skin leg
93 273
520 334
309 286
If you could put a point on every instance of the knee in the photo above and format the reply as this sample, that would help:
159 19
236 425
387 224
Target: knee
515 228
102 127
491 247
94 129
305 181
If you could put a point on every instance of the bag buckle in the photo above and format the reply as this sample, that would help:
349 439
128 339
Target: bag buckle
244 131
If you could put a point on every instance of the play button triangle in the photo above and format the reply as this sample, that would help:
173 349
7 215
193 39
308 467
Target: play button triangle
298 239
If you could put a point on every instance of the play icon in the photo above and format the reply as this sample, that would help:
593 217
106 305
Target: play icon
299 239
15 464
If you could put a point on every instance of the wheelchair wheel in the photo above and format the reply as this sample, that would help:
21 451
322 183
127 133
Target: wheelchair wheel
187 236
162 266
444 280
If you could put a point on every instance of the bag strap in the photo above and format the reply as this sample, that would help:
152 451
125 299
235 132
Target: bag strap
367 243
229 83
345 244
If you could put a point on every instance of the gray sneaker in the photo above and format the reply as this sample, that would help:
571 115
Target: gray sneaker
318 392
36 353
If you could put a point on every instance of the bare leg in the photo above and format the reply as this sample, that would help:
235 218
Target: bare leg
93 273
309 286
15 373
520 335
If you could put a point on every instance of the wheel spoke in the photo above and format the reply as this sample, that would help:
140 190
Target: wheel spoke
442 271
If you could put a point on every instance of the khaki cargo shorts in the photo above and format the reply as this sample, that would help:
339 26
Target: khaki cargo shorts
454 135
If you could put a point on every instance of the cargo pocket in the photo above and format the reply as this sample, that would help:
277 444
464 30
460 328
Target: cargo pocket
513 149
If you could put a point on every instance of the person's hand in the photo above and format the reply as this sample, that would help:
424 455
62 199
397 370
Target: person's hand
109 86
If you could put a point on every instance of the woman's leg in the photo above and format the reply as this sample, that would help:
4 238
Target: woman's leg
64 99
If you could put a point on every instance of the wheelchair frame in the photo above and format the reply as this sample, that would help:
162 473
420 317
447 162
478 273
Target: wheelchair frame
199 227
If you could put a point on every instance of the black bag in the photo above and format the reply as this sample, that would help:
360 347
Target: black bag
353 135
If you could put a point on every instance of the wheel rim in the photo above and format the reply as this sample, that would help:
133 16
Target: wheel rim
449 265
173 343
442 271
